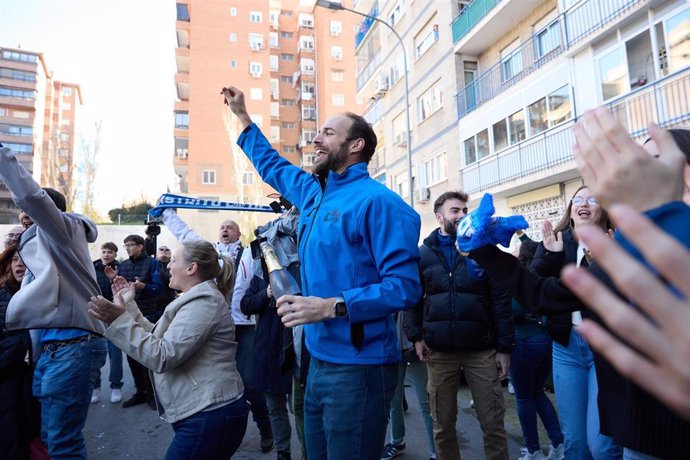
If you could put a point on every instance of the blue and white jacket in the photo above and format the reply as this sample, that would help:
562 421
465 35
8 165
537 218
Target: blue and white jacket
358 240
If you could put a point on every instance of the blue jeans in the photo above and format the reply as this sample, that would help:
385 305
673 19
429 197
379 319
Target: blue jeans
115 356
100 351
62 384
575 382
280 422
208 434
244 336
412 367
346 409
530 364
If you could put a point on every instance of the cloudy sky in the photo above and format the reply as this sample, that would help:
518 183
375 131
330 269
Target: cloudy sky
122 55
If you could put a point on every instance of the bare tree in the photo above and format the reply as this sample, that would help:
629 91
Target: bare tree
90 148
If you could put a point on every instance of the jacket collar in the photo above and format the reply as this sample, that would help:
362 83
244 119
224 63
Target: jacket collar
353 173
142 255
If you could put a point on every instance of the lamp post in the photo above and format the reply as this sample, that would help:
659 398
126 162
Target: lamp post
338 6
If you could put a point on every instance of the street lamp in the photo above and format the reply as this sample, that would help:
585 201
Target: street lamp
338 6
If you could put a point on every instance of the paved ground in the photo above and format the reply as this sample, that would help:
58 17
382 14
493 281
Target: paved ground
114 433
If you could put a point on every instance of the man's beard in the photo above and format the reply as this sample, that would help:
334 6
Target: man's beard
333 162
450 228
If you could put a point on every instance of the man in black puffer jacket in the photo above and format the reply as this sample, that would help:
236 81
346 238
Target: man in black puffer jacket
464 322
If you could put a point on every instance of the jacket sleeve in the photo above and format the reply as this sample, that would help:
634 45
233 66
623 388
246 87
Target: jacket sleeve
189 330
29 196
178 227
255 300
502 313
243 278
155 285
292 182
413 318
547 263
537 294
396 256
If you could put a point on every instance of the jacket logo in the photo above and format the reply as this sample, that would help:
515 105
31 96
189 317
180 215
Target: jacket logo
332 216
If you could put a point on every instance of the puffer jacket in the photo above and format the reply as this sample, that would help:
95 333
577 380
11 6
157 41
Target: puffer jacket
190 351
462 308
56 253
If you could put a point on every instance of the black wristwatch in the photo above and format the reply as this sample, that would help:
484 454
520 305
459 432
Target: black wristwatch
340 307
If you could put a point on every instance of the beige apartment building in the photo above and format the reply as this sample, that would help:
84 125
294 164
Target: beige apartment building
530 68
295 65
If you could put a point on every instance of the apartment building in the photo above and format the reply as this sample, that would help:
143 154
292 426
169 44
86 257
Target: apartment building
58 164
432 148
271 50
528 69
23 83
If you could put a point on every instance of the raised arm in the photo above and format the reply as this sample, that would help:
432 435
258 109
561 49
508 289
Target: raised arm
178 227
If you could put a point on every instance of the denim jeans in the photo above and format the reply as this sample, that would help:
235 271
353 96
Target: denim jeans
100 351
530 364
416 371
115 376
244 336
297 408
280 422
346 409
575 382
208 434
62 384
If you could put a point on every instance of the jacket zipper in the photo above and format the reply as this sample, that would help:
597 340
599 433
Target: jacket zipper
305 238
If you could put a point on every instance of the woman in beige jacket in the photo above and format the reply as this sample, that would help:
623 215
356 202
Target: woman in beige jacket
190 352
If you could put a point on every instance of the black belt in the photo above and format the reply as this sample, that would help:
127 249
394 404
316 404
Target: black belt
55 345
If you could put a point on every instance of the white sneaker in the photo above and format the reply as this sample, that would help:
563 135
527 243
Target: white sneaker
115 395
556 453
94 397
536 455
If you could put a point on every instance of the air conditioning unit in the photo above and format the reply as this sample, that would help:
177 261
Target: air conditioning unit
401 140
307 23
182 153
382 84
256 46
423 194
303 143
255 74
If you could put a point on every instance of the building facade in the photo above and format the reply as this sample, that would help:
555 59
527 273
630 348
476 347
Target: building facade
269 50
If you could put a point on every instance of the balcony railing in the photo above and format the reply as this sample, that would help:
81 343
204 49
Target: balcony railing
374 112
470 16
665 102
366 73
567 30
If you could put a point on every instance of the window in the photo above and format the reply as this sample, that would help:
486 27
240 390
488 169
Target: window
500 132
337 75
275 134
308 112
16 93
511 61
308 135
476 147
425 39
397 13
337 53
275 89
2 112
678 38
547 38
233 64
430 102
306 43
287 102
255 69
307 66
286 57
233 11
255 16
233 36
65 137
306 20
248 178
288 148
434 170
24 115
208 176
256 94
274 18
182 120
549 111
285 12
183 12
273 62
336 28
181 147
66 106
256 41
273 39
612 74
287 125
308 87
286 79
20 75
275 109
338 100
19 148
397 70
17 56
399 128
516 123
284 34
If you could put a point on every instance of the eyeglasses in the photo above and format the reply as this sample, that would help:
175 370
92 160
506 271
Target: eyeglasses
578 201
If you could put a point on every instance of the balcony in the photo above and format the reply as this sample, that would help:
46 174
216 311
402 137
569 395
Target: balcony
567 31
374 112
368 71
665 102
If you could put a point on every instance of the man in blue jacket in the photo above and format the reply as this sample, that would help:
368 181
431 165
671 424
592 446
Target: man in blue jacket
358 254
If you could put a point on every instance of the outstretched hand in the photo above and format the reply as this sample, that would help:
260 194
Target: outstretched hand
234 98
552 242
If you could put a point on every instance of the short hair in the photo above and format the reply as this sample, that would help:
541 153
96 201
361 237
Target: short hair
451 195
57 197
361 129
135 239
109 245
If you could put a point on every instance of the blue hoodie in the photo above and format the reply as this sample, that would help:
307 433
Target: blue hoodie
358 240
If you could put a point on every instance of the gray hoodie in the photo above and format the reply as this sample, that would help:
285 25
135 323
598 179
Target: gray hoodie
56 253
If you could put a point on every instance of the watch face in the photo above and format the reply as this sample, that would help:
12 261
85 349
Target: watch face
340 309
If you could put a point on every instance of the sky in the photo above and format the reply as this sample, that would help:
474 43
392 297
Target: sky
123 56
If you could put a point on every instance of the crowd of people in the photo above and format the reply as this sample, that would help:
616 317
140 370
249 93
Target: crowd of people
599 303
